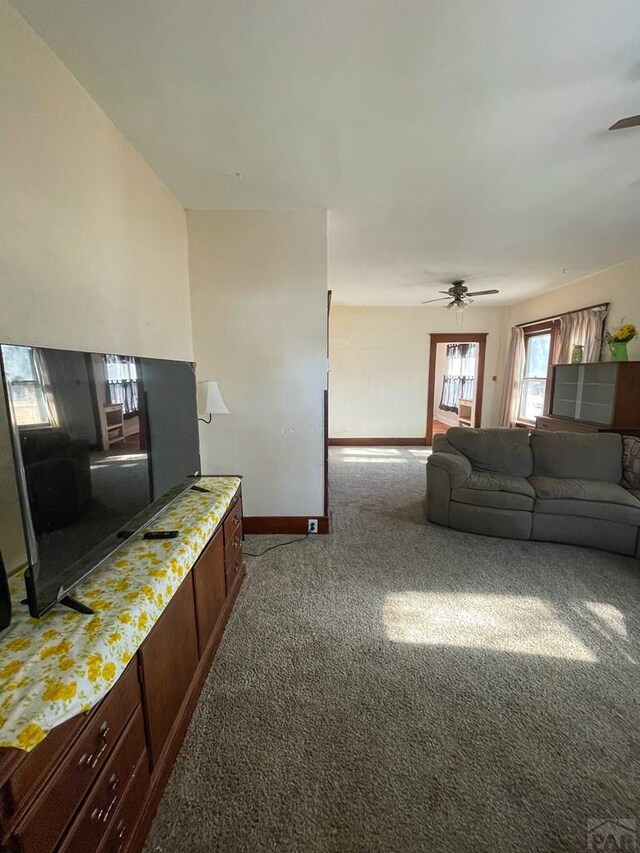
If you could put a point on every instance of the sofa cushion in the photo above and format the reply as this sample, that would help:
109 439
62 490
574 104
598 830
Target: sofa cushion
589 456
586 498
502 451
501 491
487 481
496 500
582 490
631 461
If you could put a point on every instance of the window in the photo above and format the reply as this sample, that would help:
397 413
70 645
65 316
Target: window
534 379
25 378
122 382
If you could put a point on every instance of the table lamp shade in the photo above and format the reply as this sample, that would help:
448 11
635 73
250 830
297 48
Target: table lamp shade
210 400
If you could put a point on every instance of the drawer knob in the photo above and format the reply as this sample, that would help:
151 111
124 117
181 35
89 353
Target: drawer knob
93 758
103 815
121 832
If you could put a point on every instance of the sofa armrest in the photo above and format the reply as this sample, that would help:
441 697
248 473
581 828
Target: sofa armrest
445 471
457 467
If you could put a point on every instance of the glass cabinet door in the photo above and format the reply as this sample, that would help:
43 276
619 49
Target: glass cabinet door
585 392
598 392
565 390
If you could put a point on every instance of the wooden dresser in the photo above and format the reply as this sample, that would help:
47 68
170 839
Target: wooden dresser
594 397
94 783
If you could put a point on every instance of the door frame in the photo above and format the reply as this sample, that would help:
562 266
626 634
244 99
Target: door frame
479 338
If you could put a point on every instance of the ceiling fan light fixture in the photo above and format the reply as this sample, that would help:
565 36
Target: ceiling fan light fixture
456 305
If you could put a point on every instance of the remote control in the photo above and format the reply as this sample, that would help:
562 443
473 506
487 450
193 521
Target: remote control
200 489
161 534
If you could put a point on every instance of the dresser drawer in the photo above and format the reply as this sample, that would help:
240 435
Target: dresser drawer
27 770
233 549
233 524
231 570
46 820
122 827
93 821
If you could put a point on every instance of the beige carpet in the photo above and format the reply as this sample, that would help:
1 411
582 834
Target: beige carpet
398 687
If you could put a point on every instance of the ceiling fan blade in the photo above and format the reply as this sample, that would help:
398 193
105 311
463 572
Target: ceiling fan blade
631 121
481 292
437 299
446 292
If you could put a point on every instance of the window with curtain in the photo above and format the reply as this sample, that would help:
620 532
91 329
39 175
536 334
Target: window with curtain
26 373
122 382
459 380
535 347
534 378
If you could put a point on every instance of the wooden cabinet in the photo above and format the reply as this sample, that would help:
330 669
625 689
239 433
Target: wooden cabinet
93 784
603 394
168 661
209 589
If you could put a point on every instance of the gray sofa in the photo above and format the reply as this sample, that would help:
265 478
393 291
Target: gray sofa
549 486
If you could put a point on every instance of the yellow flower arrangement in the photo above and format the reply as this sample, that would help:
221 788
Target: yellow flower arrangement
622 335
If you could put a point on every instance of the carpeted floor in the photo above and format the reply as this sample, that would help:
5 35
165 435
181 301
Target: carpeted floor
397 686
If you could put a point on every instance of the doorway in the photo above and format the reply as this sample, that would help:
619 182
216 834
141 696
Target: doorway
456 382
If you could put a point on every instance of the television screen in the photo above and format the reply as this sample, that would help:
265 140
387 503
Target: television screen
102 443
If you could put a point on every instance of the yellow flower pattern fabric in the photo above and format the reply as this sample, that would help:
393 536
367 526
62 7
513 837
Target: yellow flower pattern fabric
63 664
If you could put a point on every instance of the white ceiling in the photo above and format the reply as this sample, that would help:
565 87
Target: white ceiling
446 137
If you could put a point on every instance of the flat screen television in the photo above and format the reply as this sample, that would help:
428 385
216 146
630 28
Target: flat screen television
102 444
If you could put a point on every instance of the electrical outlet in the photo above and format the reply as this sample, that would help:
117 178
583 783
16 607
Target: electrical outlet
312 525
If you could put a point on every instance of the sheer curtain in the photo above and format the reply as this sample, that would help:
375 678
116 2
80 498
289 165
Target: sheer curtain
580 327
459 380
122 382
513 378
42 369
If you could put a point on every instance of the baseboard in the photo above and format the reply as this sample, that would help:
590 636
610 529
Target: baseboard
282 523
377 442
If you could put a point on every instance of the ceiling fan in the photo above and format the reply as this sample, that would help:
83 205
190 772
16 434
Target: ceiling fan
459 296
631 121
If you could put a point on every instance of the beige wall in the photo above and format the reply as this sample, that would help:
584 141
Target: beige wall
619 285
93 248
259 294
379 359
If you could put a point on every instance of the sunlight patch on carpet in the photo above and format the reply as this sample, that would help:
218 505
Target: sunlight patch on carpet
500 623
376 459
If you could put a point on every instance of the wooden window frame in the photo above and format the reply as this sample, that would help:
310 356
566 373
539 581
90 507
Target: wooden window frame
552 328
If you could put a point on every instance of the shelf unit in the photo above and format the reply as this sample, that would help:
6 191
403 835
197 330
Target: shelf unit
112 425
465 413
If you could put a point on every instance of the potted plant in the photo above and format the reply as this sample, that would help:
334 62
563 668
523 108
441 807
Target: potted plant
617 340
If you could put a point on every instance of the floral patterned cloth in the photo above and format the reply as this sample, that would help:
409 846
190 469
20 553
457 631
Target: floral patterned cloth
62 664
